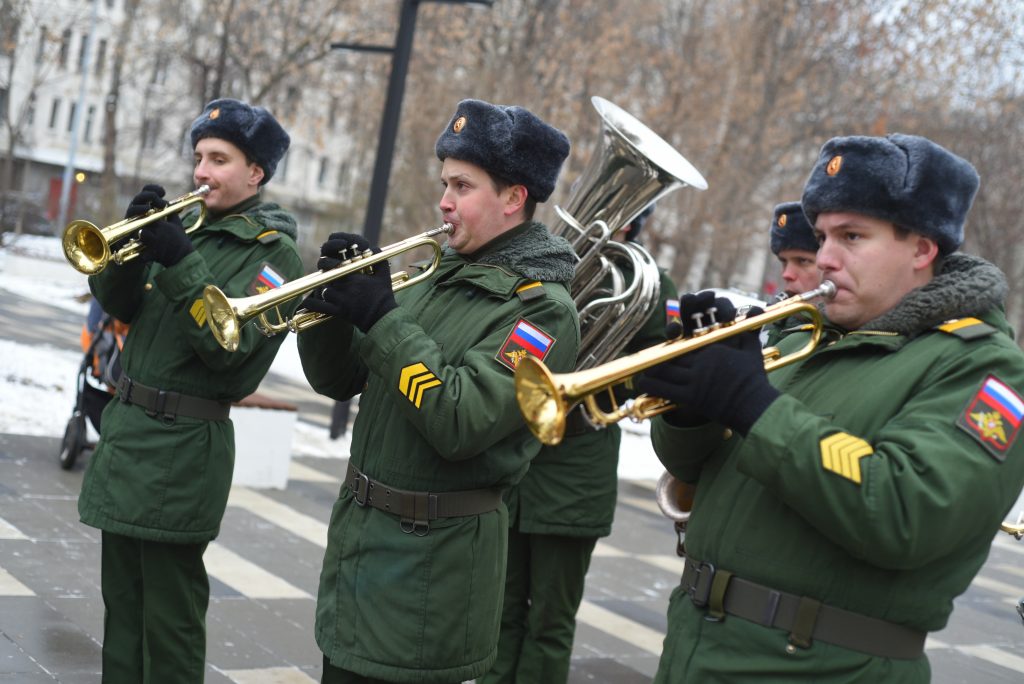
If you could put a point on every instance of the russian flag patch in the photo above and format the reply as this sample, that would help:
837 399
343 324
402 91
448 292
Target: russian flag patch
267 279
672 312
993 416
525 338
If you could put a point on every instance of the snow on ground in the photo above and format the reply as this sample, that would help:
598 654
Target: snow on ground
37 383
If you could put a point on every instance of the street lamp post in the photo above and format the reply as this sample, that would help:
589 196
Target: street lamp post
400 55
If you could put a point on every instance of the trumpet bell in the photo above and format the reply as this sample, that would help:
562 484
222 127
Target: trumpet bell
84 247
540 402
223 320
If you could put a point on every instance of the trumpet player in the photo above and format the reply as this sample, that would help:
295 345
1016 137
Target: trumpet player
157 484
794 245
843 505
412 577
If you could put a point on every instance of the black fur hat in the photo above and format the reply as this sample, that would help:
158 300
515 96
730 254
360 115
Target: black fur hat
791 230
508 142
905 179
253 130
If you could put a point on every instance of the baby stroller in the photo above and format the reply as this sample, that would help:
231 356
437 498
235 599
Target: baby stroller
102 339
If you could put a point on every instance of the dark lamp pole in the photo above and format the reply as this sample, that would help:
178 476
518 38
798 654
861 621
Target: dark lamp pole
400 55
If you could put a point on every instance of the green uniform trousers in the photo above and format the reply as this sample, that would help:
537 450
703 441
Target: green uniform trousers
154 626
543 590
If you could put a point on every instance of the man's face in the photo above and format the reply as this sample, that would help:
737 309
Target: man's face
222 166
872 266
799 271
477 212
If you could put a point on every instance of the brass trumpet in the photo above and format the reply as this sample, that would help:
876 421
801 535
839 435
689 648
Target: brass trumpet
545 398
227 315
1014 528
87 248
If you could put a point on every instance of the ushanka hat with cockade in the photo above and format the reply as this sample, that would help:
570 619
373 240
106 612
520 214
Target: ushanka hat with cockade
253 130
906 179
790 229
508 142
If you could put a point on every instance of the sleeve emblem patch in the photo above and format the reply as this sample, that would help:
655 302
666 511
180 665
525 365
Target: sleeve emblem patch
414 380
841 454
672 312
267 279
524 339
993 417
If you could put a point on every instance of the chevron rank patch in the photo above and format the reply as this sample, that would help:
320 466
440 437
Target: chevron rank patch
993 417
841 454
198 312
672 312
524 339
267 279
414 380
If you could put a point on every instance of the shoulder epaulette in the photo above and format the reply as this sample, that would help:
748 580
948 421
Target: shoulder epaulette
967 328
268 236
530 291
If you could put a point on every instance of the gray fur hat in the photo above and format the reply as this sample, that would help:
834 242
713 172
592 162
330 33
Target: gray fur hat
253 130
791 230
508 142
905 179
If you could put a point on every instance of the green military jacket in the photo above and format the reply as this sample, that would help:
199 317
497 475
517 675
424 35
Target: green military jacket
570 489
169 481
437 413
874 483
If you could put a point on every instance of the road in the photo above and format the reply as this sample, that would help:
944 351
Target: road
264 569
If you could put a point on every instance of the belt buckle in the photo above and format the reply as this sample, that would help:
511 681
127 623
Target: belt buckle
124 389
700 590
365 480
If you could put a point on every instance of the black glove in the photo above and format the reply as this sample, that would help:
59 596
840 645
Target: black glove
701 310
165 241
151 197
360 298
687 380
725 382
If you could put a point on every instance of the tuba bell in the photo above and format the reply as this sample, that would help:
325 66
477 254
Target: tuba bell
616 284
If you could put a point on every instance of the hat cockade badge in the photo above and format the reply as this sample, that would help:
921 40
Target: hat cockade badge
215 113
459 124
834 164
782 220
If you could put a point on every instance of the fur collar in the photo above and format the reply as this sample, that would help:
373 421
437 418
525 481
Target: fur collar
531 251
966 286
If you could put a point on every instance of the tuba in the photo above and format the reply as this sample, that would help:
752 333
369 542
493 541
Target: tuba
632 168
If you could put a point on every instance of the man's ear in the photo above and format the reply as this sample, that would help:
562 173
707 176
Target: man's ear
926 250
516 199
255 175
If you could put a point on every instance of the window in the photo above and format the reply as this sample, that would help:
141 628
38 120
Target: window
101 56
332 113
90 117
65 46
321 178
54 112
83 47
151 133
30 111
71 116
3 101
282 168
41 48
342 174
159 76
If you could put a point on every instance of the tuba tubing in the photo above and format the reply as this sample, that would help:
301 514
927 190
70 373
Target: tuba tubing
226 315
87 247
545 398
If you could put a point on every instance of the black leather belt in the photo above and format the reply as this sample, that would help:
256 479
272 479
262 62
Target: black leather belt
166 404
804 618
417 509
